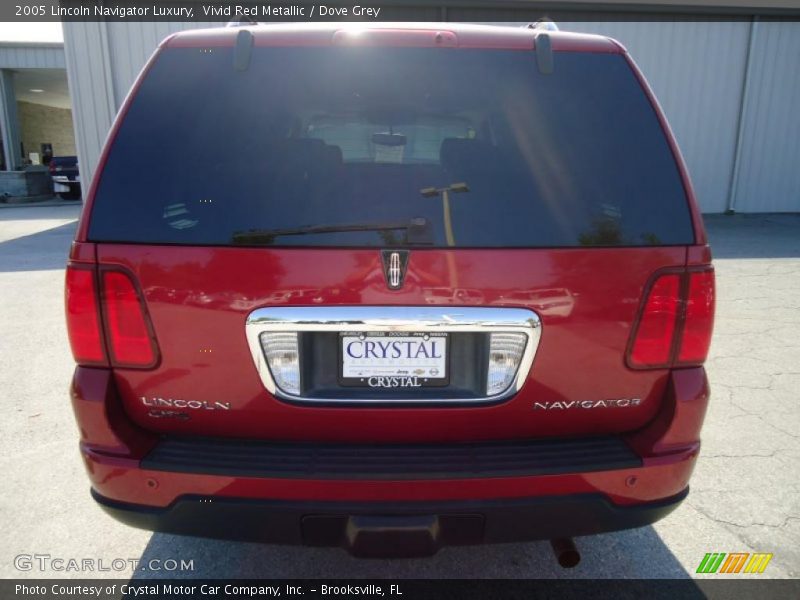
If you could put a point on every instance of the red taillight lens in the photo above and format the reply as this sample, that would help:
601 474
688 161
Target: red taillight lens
125 326
679 309
129 338
83 317
699 321
652 345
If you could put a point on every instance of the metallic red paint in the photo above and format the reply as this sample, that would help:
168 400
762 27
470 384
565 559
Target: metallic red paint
112 447
199 298
122 479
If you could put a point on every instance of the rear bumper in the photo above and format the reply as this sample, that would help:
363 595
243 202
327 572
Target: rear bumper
390 529
513 503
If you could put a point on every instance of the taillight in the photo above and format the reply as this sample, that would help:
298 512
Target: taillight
699 321
652 345
115 316
676 321
83 317
130 341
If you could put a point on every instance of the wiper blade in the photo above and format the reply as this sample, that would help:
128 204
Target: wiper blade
417 231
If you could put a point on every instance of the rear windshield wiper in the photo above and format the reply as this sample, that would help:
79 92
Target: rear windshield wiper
417 231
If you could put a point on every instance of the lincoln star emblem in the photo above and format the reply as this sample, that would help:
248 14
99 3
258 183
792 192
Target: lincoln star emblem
394 267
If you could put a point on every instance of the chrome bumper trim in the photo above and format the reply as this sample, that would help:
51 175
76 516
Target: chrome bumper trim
393 318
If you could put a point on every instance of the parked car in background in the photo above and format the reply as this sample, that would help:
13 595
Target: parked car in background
66 178
390 288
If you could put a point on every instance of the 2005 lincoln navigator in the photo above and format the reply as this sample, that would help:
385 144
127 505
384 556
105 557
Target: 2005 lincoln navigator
390 288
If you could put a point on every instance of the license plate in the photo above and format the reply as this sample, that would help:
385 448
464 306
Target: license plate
394 360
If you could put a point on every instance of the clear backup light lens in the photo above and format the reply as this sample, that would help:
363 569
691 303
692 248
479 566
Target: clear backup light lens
283 359
505 354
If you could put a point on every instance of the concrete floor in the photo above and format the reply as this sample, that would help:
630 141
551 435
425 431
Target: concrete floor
745 492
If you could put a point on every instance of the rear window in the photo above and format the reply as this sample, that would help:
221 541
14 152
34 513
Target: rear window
390 146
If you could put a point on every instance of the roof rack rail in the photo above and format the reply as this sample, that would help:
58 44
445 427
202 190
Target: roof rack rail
241 22
544 24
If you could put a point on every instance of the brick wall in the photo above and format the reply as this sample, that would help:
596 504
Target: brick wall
45 124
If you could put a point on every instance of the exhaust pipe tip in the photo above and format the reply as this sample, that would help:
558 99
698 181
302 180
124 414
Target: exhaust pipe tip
566 553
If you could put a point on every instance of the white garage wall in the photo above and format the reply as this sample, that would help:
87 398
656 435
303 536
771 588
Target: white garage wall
769 173
697 70
39 55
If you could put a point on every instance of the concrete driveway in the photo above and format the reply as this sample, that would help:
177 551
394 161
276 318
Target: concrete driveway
745 493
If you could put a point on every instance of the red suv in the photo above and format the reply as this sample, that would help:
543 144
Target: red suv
390 288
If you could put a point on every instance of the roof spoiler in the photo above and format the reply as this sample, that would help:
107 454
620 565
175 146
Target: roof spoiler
241 22
544 53
544 24
242 50
544 49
